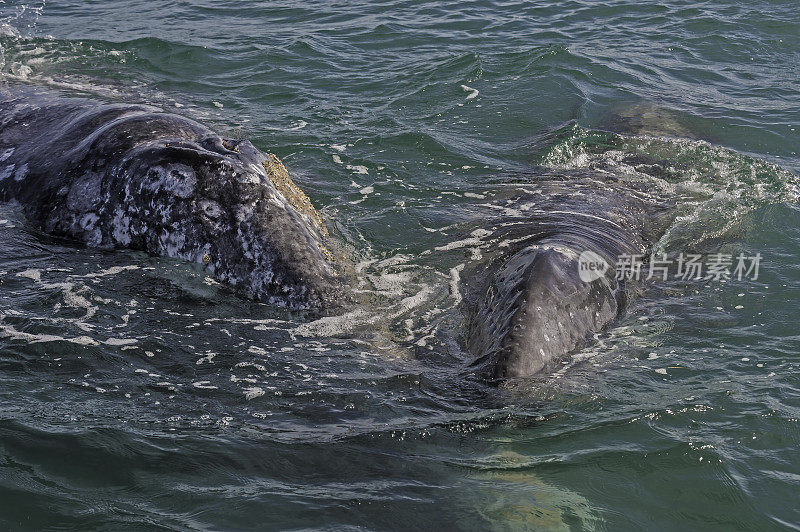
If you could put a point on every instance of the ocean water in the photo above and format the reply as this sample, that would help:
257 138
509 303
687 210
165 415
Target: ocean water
137 394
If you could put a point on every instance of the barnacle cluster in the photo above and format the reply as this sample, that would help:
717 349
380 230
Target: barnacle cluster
279 177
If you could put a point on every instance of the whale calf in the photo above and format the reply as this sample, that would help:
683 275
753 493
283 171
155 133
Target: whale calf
131 176
531 305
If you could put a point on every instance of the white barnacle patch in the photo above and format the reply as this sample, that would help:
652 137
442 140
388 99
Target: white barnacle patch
253 178
212 214
21 173
6 172
172 243
89 221
176 179
212 209
121 227
91 233
243 211
6 154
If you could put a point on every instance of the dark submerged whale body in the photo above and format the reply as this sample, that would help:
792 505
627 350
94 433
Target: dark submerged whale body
529 306
130 176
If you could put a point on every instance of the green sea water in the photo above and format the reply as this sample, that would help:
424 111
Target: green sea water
137 394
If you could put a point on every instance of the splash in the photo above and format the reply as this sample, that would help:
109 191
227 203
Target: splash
715 187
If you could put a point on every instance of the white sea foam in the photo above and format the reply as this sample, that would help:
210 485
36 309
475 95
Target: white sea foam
472 92
300 124
359 169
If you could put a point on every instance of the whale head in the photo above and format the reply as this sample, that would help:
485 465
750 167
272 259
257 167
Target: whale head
233 209
187 193
130 176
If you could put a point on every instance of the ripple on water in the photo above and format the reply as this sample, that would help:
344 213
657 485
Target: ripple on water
137 392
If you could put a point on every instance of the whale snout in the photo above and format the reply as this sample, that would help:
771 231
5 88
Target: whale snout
276 256
262 234
538 308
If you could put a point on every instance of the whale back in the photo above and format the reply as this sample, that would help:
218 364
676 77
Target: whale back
530 306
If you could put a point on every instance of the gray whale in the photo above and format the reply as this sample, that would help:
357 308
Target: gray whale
529 306
131 176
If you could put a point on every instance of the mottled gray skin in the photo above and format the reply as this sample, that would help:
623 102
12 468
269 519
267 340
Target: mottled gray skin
129 176
528 307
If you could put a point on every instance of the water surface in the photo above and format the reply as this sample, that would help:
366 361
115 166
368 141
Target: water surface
136 393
